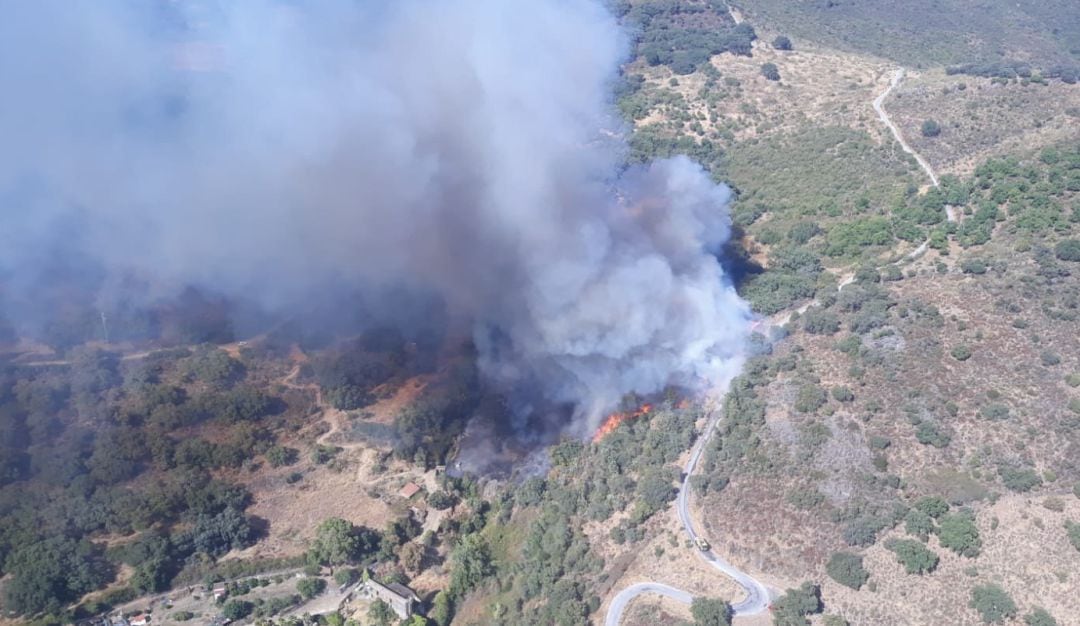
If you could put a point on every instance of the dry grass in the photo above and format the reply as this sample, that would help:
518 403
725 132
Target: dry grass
1027 554
983 119
356 493
818 87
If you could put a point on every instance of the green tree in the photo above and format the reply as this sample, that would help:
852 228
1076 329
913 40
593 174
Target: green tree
781 43
930 128
957 532
310 587
792 608
279 456
50 573
913 555
345 576
380 613
442 609
770 71
710 612
340 541
237 609
992 603
412 556
847 569
471 564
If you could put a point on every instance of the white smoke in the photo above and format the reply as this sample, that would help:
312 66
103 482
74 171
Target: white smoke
466 146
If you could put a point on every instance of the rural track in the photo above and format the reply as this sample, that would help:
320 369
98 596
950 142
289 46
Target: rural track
883 115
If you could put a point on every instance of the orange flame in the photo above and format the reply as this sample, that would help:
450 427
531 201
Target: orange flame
612 421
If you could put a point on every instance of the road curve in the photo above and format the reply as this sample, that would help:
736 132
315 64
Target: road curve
757 595
618 605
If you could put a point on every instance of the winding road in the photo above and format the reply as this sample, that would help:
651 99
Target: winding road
757 594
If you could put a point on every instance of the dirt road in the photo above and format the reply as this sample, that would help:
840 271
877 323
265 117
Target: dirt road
879 108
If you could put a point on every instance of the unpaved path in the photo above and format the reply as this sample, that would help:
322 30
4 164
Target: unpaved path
879 108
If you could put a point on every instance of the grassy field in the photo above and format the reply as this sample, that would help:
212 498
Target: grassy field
927 32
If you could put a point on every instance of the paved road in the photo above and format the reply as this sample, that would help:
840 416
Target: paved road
757 595
618 605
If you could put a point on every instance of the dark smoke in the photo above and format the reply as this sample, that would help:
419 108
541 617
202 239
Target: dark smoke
272 151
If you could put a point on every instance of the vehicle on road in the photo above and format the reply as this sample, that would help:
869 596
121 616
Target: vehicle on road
702 544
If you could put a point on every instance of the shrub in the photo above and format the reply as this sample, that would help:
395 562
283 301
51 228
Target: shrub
1068 250
805 498
994 411
957 532
793 607
810 398
929 433
279 456
183 616
1039 617
1019 479
345 576
1049 359
918 524
310 587
781 43
710 612
933 506
930 128
818 321
237 609
843 394
973 266
961 352
847 569
802 232
1072 530
992 603
770 71
440 500
913 555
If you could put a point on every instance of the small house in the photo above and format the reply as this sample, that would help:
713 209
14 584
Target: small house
400 598
409 490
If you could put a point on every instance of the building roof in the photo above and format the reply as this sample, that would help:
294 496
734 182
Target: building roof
403 591
409 490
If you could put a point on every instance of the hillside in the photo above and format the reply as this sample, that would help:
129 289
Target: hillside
902 445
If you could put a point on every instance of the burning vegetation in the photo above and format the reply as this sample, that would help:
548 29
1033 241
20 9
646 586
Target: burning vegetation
611 422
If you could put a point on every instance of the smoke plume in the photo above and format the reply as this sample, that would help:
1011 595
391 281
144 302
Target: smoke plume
270 150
